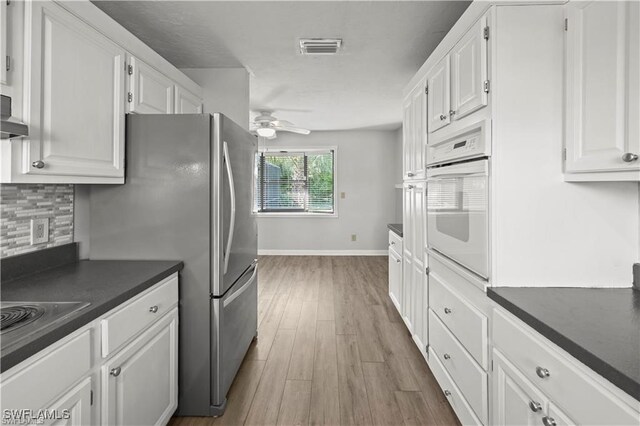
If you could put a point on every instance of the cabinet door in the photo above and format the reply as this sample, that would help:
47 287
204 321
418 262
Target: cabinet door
139 384
76 94
407 139
4 33
407 292
187 102
438 100
418 221
418 308
515 400
602 86
407 218
419 119
151 91
557 417
395 279
469 72
74 407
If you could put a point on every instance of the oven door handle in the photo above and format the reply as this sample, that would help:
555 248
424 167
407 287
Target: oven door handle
463 169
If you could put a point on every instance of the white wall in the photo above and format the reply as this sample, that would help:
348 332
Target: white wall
225 90
398 174
366 173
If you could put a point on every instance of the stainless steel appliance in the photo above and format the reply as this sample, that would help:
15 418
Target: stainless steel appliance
9 127
188 196
458 203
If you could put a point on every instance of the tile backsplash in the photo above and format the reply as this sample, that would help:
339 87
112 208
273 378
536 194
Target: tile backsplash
21 203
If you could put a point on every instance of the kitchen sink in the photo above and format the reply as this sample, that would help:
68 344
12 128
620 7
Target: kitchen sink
19 320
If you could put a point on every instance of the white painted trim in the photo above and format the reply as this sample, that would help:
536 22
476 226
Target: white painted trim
269 252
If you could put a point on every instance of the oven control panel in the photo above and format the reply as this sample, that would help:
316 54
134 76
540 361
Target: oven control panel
461 147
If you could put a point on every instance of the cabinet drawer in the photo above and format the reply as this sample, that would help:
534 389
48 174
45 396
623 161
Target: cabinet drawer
460 405
128 320
395 242
463 369
584 400
467 323
46 374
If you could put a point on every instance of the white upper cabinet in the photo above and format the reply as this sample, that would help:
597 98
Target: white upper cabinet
602 90
469 71
3 42
186 102
414 128
150 91
75 88
438 100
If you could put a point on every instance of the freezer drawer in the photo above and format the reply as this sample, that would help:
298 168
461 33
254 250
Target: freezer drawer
235 317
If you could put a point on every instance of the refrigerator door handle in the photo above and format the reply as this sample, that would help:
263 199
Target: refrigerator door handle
232 222
246 285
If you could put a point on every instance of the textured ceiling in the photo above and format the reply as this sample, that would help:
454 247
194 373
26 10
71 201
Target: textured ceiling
384 45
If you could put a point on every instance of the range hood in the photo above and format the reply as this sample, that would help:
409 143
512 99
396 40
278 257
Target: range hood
10 128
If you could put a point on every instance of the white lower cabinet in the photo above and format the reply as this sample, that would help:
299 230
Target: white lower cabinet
74 407
139 383
395 276
70 383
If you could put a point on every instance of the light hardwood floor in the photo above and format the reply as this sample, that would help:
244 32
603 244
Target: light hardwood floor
331 350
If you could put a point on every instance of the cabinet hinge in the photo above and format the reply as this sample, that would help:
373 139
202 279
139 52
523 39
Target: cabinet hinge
8 2
564 154
130 69
426 90
8 59
129 97
491 365
91 397
486 33
566 24
426 270
487 85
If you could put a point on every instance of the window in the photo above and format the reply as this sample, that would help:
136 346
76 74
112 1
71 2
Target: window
295 182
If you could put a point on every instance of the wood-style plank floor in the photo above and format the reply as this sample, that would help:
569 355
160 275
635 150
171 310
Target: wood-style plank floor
331 350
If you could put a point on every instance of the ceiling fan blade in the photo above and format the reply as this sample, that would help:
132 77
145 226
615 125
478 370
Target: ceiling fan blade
282 123
293 130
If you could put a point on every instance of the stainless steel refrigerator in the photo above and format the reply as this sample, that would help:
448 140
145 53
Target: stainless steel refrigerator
188 196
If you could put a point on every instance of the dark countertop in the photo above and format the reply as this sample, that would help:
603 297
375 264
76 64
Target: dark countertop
396 227
103 283
598 326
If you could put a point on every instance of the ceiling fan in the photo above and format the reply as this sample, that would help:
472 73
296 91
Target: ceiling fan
266 125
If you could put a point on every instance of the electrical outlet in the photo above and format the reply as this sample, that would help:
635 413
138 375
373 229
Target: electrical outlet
354 237
39 230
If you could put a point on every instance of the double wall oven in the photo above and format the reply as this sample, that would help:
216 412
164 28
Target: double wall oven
458 201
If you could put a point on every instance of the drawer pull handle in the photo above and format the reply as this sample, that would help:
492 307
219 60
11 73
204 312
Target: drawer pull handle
447 392
115 372
542 372
447 311
446 356
548 421
535 406
153 309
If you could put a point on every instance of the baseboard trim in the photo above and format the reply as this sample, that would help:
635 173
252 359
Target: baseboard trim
267 252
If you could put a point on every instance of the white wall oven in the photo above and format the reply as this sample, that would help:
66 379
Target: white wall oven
458 206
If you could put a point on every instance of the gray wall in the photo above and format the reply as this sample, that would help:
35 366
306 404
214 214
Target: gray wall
366 173
398 175
225 90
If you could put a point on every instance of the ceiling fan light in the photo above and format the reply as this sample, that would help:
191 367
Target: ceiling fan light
266 132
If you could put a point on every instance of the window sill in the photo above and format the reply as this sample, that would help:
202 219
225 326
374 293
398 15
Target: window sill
300 215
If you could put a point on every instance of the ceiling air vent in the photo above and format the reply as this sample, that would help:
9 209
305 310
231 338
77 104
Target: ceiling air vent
320 46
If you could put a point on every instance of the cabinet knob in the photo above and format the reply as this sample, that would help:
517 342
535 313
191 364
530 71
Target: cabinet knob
452 113
443 117
542 372
446 356
410 187
447 392
153 309
629 157
535 406
447 311
410 174
38 164
548 421
397 260
115 372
